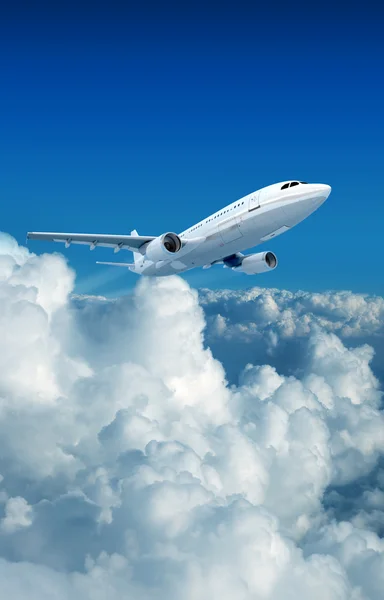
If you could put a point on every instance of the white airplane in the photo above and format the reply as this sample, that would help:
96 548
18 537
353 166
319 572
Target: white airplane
219 238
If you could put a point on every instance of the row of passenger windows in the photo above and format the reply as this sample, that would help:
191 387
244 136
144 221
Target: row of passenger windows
224 211
291 184
215 217
194 228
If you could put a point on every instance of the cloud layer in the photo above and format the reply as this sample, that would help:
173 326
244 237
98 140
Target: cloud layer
249 325
130 468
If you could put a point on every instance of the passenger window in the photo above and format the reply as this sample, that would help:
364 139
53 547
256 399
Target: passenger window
285 186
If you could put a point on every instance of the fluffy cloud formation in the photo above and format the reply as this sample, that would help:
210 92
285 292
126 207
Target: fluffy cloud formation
132 469
250 325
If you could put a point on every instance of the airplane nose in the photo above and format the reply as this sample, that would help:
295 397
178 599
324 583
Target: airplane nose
321 194
305 205
326 189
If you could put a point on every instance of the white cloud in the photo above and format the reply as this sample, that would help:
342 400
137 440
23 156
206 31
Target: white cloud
18 514
130 468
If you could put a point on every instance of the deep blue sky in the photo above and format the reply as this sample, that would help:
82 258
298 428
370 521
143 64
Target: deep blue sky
113 119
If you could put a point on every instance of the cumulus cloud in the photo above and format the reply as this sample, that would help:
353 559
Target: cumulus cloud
17 514
133 466
250 325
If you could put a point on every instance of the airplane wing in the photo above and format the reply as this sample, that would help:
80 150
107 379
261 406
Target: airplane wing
118 242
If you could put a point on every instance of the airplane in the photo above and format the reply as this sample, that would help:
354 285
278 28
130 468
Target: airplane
220 238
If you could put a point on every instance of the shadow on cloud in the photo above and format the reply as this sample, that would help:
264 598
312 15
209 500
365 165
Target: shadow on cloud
130 467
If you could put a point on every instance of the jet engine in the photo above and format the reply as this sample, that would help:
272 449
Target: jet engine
257 263
163 247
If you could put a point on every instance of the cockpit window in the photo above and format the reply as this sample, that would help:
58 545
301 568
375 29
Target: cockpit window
292 184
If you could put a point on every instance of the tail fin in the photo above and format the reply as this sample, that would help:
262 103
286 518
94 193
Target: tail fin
136 255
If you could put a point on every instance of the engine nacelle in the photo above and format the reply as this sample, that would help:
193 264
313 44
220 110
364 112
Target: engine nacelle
163 247
257 263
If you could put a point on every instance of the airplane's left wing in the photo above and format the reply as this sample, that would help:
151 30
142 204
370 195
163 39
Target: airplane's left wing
118 242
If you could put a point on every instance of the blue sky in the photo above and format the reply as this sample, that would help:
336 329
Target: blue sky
113 119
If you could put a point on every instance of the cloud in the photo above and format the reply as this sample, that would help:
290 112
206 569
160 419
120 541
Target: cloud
246 326
17 515
132 468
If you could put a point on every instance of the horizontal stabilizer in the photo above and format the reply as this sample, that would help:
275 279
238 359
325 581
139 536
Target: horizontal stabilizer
117 264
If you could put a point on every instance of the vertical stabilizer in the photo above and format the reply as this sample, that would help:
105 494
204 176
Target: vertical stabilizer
136 255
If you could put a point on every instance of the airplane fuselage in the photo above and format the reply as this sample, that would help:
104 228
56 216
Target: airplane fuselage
251 220
220 237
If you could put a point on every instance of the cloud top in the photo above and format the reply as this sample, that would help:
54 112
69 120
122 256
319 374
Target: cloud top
132 468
